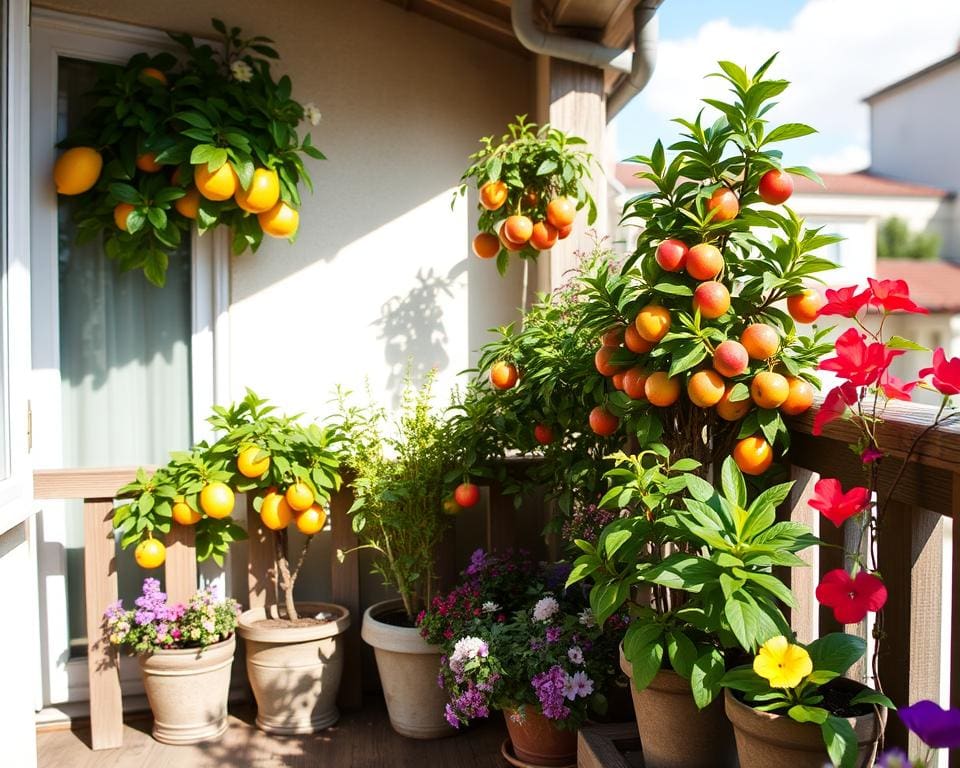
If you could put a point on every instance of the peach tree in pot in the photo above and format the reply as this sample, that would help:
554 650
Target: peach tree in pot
185 654
398 472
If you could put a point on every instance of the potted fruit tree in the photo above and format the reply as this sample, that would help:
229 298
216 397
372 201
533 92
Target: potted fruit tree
397 474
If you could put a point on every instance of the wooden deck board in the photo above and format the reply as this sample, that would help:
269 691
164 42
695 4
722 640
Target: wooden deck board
360 740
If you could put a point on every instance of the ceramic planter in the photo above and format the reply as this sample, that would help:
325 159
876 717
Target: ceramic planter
408 667
765 738
187 689
295 671
537 741
673 732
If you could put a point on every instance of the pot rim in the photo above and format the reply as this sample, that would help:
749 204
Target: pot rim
390 637
247 624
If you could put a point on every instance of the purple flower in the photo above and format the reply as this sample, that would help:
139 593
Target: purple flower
477 561
549 687
553 634
936 727
575 654
451 716
893 758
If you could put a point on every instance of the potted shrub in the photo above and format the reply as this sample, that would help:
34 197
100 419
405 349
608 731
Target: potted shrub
185 654
398 480
515 640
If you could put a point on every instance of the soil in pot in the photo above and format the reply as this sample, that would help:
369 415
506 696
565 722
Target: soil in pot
537 741
766 739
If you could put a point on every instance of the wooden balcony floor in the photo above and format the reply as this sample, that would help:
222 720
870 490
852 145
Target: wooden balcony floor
360 740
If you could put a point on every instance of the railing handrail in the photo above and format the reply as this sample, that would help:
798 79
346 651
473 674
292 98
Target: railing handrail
81 483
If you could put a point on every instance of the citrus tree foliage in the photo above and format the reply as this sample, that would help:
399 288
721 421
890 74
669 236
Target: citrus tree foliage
207 106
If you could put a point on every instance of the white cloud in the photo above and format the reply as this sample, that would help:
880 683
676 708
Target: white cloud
853 157
835 52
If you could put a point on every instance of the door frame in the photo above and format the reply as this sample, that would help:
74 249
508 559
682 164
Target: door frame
53 35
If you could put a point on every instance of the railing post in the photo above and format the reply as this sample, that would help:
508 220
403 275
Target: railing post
100 589
803 581
180 570
261 568
345 587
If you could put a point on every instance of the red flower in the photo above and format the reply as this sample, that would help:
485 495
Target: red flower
834 504
894 388
851 597
845 301
946 373
893 296
835 404
860 363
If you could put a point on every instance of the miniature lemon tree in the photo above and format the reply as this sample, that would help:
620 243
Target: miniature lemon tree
530 186
209 137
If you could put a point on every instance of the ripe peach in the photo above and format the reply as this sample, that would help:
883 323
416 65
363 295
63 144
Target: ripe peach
671 255
633 382
760 340
662 390
769 390
730 358
724 205
800 397
704 261
804 307
602 422
602 361
635 342
712 299
653 322
732 410
705 388
753 455
775 187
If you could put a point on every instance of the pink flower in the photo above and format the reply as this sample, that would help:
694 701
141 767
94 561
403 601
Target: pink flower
845 301
894 296
871 455
834 504
946 373
860 363
835 404
851 598
894 388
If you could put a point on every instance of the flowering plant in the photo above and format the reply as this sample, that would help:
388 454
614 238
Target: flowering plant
210 137
936 727
797 678
157 625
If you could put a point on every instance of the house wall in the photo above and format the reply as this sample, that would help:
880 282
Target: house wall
381 271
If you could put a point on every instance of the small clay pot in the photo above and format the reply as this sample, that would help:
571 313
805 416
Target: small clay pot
766 739
538 741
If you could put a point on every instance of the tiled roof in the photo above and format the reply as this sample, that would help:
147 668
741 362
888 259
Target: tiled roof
933 284
860 183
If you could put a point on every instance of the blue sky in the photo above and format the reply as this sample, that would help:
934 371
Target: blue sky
835 52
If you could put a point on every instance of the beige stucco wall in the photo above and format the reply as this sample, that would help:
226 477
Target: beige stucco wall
381 270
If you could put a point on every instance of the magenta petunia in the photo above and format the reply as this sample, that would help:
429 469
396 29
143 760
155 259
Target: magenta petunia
936 727
834 504
851 598
946 373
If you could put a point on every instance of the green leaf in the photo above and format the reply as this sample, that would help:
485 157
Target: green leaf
840 740
836 652
872 697
804 714
673 286
682 653
732 482
788 131
615 540
705 678
694 356
644 651
548 166
898 342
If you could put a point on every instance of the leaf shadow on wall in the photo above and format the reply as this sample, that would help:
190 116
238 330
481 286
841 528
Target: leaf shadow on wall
412 328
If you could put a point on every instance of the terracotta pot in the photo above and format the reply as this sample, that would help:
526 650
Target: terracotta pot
187 689
538 741
673 732
765 739
295 671
408 667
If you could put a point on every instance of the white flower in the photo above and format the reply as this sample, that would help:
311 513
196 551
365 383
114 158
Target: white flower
587 618
311 112
575 654
241 71
545 608
490 607
467 648
580 684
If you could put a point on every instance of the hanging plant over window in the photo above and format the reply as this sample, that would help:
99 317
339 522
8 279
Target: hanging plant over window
530 187
209 137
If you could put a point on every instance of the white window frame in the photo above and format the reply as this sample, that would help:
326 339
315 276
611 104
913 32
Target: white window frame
54 35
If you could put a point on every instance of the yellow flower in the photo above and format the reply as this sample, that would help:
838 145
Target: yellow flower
782 664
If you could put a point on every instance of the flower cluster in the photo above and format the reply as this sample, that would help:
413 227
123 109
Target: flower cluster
586 522
155 624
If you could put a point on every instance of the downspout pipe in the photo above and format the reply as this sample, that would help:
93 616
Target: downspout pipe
637 65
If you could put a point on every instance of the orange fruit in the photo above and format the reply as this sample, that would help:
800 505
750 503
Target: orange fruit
712 299
564 232
450 507
485 245
732 410
725 204
507 243
279 221
799 398
150 553
188 205
493 195
220 184
275 512
253 461
662 390
705 388
152 76
602 361
653 322
805 306
633 382
77 170
769 390
543 434
635 342
216 500
503 375
704 261
299 497
617 380
753 455
120 214
311 520
518 229
730 358
147 162
183 513
544 236
561 212
602 422
613 337
262 194
760 340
